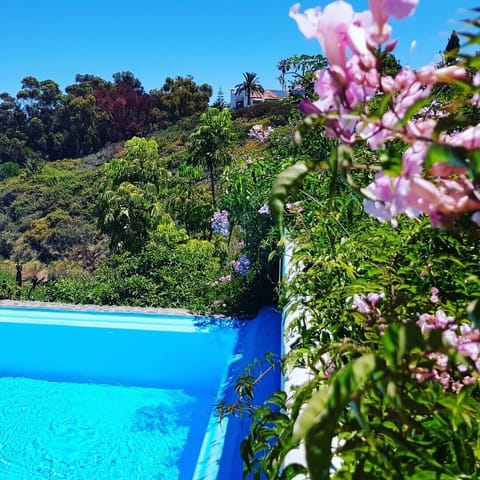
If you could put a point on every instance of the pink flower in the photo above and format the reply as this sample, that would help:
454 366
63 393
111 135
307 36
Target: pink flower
367 305
375 298
259 133
476 97
469 380
326 364
469 138
434 295
446 170
361 304
264 209
295 207
330 27
336 28
327 90
382 9
386 198
225 279
430 75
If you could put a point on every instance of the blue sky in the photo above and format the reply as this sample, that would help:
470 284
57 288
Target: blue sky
214 41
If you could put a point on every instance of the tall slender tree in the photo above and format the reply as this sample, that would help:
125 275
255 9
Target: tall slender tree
208 144
452 49
251 84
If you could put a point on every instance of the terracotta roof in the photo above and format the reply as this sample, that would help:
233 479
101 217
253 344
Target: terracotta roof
270 94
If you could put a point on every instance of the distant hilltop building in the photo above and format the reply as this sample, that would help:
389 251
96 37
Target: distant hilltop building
240 100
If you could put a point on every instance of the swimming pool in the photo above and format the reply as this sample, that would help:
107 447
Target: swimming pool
125 396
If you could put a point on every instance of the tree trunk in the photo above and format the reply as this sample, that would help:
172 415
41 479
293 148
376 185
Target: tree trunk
211 171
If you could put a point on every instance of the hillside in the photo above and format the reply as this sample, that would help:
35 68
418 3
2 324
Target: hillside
51 228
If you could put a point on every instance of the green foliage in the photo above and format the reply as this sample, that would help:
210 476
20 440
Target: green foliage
371 417
128 206
178 98
297 73
208 144
152 197
389 65
375 404
274 113
9 169
59 186
285 184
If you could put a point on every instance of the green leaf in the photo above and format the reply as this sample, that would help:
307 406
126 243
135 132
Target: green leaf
438 153
392 165
347 384
409 338
413 109
246 451
398 340
314 408
465 455
474 161
473 312
474 62
292 470
278 399
287 182
472 38
384 104
450 122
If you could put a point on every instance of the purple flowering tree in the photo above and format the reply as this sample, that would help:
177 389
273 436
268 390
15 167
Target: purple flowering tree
242 265
220 223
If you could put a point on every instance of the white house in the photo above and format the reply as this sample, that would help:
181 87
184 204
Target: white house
240 100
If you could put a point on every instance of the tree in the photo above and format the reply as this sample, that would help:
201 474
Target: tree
40 100
127 106
297 73
208 143
251 84
128 207
388 63
178 98
86 84
220 100
12 130
452 48
84 125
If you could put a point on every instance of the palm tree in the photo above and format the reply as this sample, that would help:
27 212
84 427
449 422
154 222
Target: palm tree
251 84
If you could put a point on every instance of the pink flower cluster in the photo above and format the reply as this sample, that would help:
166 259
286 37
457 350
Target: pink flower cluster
222 280
258 132
294 207
326 364
264 209
367 305
348 39
463 338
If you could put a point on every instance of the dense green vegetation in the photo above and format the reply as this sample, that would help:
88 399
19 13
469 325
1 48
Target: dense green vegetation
384 306
132 223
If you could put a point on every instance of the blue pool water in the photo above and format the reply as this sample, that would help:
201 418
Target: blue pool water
122 396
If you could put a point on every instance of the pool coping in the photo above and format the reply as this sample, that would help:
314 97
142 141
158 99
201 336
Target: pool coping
99 308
